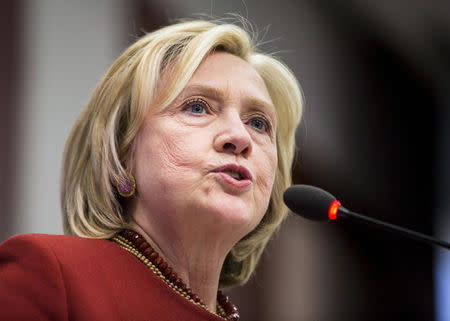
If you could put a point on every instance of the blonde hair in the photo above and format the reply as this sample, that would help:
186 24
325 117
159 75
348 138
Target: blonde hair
99 150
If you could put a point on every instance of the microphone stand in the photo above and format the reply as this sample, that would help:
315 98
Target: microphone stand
345 213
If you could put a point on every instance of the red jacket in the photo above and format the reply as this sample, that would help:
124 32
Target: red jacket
50 277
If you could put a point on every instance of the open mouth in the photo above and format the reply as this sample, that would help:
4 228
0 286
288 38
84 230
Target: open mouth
237 172
235 175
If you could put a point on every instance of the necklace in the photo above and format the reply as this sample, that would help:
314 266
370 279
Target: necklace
140 248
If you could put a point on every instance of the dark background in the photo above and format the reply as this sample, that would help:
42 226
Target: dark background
375 133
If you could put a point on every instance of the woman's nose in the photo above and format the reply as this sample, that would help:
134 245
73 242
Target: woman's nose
233 138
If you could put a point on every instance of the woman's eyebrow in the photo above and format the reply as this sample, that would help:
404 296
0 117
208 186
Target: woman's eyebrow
204 90
217 94
261 104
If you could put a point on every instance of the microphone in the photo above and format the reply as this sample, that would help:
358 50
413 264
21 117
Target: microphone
318 205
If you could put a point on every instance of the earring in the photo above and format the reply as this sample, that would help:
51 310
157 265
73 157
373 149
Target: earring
127 186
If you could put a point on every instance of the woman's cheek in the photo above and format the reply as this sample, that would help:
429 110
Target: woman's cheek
267 172
177 158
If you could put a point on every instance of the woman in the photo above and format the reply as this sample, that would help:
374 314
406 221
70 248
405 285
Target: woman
180 158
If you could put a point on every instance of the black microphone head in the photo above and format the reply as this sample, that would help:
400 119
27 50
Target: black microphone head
308 201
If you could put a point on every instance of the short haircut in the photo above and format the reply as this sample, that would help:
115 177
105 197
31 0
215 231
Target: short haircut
99 149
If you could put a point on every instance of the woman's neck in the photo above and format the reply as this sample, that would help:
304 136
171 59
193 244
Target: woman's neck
196 260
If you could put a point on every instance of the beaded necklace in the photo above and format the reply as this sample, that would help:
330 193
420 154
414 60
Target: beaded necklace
140 248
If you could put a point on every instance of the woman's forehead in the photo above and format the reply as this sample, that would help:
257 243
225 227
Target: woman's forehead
224 66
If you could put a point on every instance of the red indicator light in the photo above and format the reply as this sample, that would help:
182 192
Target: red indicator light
333 209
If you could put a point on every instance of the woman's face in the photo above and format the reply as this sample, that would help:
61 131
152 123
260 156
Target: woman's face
208 161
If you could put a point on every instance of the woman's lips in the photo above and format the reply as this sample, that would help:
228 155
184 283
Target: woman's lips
234 175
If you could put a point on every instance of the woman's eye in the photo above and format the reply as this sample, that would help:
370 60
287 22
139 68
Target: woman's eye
197 109
259 123
197 106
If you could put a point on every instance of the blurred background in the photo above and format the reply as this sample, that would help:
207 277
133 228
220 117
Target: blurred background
376 134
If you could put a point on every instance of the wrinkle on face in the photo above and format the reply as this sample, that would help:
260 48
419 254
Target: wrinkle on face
175 155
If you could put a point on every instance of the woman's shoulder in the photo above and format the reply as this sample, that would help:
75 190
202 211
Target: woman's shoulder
54 245
50 240
57 256
40 274
37 238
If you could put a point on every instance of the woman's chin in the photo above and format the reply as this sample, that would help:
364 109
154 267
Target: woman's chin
236 214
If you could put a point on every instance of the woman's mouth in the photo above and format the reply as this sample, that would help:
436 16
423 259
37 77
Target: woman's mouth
234 175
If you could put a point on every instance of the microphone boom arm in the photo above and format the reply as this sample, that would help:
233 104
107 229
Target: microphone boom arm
345 213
